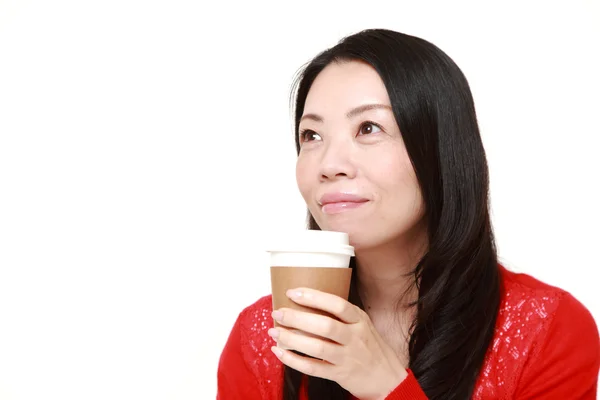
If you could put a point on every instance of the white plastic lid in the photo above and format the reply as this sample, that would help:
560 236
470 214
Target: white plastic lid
311 241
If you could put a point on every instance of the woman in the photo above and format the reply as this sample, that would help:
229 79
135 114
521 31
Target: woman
386 122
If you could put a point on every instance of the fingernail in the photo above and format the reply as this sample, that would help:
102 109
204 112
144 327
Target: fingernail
277 315
294 294
274 333
277 351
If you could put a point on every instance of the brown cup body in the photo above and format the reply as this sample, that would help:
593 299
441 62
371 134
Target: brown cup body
335 281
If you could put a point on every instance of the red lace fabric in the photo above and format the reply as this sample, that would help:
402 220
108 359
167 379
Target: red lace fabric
524 345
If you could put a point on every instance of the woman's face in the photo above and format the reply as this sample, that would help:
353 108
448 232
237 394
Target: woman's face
353 169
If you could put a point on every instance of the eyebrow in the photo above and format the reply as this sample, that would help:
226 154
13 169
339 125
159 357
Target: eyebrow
350 114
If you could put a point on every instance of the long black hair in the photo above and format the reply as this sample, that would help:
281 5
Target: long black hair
458 278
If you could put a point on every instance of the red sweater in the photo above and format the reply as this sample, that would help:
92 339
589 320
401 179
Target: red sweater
546 346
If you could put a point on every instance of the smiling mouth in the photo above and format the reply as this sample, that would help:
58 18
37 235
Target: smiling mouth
341 206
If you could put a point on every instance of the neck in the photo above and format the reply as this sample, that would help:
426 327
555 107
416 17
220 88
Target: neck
385 275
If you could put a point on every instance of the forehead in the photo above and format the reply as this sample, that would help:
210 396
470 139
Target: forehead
342 86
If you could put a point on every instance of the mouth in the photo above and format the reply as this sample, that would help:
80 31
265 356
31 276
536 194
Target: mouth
335 203
336 208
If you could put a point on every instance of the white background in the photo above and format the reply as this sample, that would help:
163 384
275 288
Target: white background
146 151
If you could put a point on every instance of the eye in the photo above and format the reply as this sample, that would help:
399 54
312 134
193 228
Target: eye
369 128
309 136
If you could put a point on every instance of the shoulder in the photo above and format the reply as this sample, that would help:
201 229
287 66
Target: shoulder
255 320
524 293
526 298
531 314
250 327
259 310
538 310
247 367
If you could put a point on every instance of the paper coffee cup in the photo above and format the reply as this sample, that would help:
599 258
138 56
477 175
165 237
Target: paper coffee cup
313 259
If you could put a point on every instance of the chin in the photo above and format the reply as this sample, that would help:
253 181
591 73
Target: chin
364 241
368 236
361 238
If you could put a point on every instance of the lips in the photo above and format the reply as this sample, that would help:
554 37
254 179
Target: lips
334 203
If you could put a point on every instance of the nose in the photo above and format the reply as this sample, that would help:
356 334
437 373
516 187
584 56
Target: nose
337 162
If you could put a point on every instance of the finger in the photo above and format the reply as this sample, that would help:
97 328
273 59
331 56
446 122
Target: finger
330 303
315 324
305 365
313 346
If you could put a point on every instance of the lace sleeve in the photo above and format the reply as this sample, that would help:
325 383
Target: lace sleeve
235 379
564 363
256 346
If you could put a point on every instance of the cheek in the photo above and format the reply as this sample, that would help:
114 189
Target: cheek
410 193
303 177
399 182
